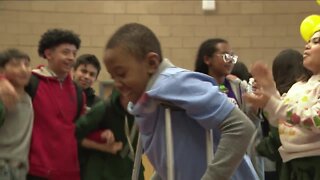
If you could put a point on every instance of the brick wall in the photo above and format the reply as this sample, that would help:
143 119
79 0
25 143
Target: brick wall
257 30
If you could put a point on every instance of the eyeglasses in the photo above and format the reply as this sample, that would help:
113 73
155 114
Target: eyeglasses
227 58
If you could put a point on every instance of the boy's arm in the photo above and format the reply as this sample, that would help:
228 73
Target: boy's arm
96 136
236 132
112 148
102 136
90 121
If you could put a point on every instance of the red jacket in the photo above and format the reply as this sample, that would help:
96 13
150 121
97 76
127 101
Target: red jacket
53 153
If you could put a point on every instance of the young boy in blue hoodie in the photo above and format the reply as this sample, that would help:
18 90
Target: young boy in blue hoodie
134 60
16 119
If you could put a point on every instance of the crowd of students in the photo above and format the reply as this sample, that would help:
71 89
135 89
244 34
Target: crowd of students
202 124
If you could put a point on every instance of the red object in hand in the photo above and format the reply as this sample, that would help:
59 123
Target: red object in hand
295 118
96 136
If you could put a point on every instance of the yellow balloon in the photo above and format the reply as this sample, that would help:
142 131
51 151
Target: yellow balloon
318 1
309 26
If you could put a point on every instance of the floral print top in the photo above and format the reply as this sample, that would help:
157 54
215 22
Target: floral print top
297 116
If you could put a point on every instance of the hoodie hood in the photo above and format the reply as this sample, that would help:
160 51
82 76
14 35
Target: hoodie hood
163 65
46 73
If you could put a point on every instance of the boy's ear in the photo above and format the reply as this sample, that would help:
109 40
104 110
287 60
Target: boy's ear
47 53
153 62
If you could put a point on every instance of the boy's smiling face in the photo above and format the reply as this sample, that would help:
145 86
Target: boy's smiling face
61 58
18 72
85 75
130 75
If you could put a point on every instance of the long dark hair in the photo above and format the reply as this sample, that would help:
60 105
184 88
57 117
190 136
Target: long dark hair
207 48
287 69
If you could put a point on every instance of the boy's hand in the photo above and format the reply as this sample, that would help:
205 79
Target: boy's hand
8 94
112 148
107 136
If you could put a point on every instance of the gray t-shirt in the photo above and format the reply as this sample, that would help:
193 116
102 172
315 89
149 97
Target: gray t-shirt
16 130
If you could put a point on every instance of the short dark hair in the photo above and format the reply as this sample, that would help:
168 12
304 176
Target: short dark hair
55 37
137 39
207 48
86 59
290 62
10 54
